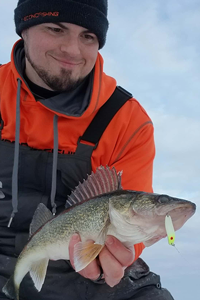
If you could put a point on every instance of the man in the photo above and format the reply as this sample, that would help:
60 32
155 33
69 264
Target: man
49 94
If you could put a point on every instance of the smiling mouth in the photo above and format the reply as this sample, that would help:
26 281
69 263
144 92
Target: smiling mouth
65 62
68 63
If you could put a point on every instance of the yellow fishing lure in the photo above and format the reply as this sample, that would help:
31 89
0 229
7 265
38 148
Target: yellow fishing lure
170 230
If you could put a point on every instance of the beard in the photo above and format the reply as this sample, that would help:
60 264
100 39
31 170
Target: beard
60 83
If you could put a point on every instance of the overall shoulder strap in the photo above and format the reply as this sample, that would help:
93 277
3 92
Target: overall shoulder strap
1 124
105 114
1 121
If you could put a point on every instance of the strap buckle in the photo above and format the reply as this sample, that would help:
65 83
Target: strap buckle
87 143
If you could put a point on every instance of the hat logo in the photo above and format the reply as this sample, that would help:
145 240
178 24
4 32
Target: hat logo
41 14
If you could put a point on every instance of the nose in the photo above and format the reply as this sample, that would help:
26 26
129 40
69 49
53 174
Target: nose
71 46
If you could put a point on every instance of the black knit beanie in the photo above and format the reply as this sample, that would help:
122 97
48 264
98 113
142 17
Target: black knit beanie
90 14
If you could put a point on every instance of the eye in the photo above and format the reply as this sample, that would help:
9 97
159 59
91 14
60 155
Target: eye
55 29
163 199
89 38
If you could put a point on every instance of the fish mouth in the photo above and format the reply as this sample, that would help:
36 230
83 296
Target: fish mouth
175 206
181 214
155 230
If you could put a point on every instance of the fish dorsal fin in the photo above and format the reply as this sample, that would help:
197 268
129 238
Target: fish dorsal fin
41 216
104 180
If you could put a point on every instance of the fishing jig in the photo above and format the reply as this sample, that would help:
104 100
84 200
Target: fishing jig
170 230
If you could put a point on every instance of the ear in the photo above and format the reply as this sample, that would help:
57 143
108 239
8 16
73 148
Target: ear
24 34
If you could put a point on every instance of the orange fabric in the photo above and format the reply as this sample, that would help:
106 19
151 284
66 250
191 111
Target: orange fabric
138 250
127 143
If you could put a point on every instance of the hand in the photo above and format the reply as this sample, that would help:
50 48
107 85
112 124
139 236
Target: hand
114 258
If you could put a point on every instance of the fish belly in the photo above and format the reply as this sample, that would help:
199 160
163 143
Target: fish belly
59 250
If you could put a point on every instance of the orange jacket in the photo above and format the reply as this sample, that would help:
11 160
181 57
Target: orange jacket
127 142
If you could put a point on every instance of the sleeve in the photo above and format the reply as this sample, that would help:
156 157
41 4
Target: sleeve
136 162
128 145
136 159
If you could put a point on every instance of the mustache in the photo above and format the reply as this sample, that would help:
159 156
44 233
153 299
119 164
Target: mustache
66 58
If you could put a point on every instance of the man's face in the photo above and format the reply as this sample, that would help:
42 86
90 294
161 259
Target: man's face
59 56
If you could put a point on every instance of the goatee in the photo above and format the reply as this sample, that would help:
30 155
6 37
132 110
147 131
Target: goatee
61 83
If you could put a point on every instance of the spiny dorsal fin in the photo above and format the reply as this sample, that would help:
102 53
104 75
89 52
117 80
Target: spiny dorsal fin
104 180
41 216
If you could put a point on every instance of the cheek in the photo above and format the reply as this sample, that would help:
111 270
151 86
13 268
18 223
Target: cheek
37 50
34 50
90 58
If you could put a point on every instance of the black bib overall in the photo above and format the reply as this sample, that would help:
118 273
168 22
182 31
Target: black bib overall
34 186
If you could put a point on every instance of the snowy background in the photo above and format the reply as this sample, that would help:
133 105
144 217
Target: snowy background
152 50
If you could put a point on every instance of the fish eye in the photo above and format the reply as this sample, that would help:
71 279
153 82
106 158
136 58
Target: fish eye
163 199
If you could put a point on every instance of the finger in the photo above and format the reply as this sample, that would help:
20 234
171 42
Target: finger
92 271
112 269
124 255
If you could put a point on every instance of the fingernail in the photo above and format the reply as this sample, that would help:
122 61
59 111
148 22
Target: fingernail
109 240
75 237
113 283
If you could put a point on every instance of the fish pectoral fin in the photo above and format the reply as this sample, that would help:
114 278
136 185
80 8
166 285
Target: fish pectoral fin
85 253
38 272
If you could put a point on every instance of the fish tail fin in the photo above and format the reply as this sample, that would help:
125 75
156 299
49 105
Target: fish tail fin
10 290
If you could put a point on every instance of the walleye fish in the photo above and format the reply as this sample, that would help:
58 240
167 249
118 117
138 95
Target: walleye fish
101 207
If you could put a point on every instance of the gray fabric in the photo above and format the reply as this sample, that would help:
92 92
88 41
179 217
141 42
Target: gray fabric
72 103
16 157
152 293
55 162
